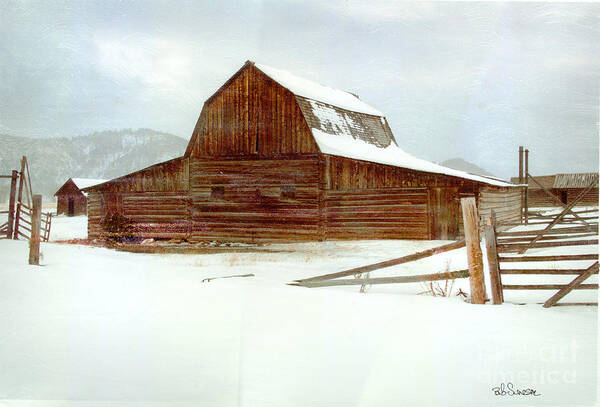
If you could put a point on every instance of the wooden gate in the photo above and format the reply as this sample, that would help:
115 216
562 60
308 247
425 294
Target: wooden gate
507 255
444 213
23 216
6 228
24 223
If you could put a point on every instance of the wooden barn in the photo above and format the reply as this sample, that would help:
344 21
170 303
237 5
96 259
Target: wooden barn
71 200
565 187
275 157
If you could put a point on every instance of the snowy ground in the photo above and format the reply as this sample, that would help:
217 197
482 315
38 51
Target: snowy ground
97 324
67 228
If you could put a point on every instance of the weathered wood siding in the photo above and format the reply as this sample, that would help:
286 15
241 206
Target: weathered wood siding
538 198
168 176
158 215
95 215
401 203
255 200
589 199
70 191
445 215
155 201
251 115
347 174
506 203
391 213
79 204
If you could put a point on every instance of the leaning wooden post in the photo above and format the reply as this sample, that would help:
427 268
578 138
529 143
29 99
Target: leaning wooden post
36 220
492 259
521 179
11 204
527 187
19 199
474 255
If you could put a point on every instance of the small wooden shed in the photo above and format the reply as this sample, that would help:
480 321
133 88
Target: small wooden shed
570 186
565 187
275 157
71 200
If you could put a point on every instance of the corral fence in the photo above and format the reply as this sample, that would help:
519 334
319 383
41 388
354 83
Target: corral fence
507 250
20 219
6 228
474 273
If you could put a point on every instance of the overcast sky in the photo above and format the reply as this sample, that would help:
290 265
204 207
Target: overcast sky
469 80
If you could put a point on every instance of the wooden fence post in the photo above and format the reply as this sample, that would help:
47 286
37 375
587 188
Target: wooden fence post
11 204
19 199
492 259
526 211
474 255
36 220
521 180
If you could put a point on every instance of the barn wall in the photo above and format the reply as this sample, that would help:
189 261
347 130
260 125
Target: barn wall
95 214
255 200
251 115
62 204
349 174
79 204
417 205
505 202
70 190
157 215
167 176
154 202
445 215
538 198
589 199
392 213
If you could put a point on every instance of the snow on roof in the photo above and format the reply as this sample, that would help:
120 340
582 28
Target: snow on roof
87 182
312 90
338 130
346 146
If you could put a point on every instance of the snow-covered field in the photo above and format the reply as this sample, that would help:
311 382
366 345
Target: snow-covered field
67 228
94 324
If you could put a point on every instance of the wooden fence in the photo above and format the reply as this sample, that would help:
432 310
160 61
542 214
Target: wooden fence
474 273
6 228
24 223
20 221
507 250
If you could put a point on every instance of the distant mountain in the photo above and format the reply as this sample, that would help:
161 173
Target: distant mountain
462 165
106 154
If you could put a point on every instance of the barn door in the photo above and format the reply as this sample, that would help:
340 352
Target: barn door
444 213
71 209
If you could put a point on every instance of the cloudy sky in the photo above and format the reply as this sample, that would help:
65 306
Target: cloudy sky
469 80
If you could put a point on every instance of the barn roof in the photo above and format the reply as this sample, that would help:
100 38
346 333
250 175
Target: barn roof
582 180
561 181
87 182
345 126
315 91
81 183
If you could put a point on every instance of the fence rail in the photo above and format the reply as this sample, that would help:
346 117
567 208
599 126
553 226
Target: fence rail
386 280
507 243
20 215
362 274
